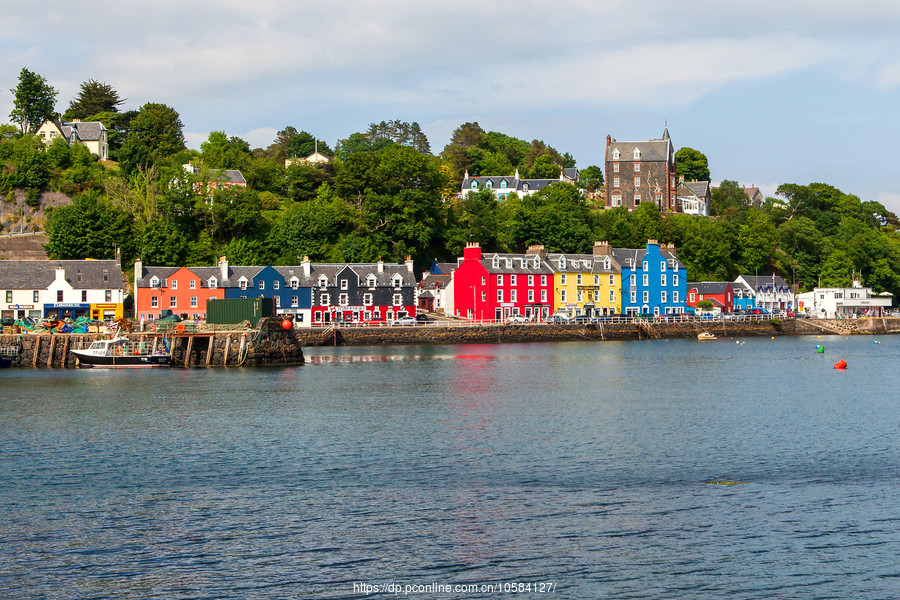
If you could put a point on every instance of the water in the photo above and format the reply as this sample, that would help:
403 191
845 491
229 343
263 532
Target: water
581 465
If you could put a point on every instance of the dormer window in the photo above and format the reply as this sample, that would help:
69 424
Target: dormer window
495 262
323 281
636 154
212 283
562 262
524 187
537 262
397 281
474 185
509 263
371 281
154 282
295 283
616 154
606 263
488 184
242 283
503 184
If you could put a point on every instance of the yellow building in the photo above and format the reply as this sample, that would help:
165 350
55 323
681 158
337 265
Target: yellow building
587 284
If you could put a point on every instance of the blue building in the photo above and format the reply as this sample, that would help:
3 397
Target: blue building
653 280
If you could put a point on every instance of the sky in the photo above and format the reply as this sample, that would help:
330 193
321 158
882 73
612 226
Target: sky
771 91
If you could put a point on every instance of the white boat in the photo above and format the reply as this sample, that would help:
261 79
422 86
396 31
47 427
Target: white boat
121 352
706 336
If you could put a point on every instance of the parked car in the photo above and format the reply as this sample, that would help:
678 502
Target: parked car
404 321
557 319
422 318
516 319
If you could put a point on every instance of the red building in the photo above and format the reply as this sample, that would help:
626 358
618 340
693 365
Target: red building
181 290
499 285
719 292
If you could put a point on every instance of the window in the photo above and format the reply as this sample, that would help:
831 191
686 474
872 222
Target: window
474 185
154 282
562 279
636 154
530 281
512 280
615 167
323 282
530 295
692 297
499 279
276 284
562 295
9 296
633 296
674 278
615 182
513 296
59 296
637 181
295 301
658 198
596 280
261 285
662 280
398 281
637 199
154 302
35 297
278 301
637 167
662 266
616 154
488 184
368 300
495 262
242 284
612 280
578 279
370 281
213 283
484 296
193 284
295 283
646 296
503 184
398 299
633 279
612 295
509 263
596 295
543 280
537 262
675 297
499 295
645 280
524 187
107 296
344 284
579 296
344 299
543 296
646 266
325 299
662 297
174 283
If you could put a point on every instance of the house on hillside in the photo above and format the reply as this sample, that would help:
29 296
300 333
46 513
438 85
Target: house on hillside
503 185
639 172
92 134
693 198
216 179
754 196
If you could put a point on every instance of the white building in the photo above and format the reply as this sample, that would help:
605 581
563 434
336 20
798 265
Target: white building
770 292
836 303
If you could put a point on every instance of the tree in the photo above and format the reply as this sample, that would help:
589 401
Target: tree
400 132
90 227
222 152
705 305
728 199
34 101
153 135
93 98
290 143
692 165
591 179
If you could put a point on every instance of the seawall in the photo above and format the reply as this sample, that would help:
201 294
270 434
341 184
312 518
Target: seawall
486 334
268 344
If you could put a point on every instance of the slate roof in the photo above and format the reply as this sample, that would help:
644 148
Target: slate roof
757 281
651 151
710 287
621 255
332 270
516 266
432 282
697 188
39 274
575 263
86 131
513 183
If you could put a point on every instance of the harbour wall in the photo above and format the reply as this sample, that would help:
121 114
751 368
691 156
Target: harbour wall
480 334
268 344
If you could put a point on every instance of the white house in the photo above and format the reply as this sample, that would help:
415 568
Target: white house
770 292
835 303
92 134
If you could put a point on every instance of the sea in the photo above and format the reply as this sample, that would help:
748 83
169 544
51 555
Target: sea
741 468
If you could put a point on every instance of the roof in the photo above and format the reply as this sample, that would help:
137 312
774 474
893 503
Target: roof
432 282
697 188
80 274
582 263
757 281
513 183
650 150
518 264
88 131
332 270
621 255
710 287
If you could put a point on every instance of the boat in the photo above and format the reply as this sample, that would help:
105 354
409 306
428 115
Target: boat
706 336
7 355
120 352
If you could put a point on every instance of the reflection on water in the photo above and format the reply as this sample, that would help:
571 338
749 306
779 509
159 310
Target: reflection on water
584 464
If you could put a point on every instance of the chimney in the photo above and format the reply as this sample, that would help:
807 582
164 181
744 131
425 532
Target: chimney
138 274
517 172
652 242
380 265
119 257
472 251
409 264
304 264
537 249
223 269
466 176
602 248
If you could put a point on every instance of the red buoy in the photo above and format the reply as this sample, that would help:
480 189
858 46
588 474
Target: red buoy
841 364
286 324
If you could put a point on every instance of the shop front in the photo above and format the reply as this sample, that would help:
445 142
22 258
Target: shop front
106 312
70 310
20 311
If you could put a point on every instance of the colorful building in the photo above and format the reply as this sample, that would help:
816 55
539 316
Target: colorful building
493 287
586 284
361 292
183 291
653 280
720 293
770 292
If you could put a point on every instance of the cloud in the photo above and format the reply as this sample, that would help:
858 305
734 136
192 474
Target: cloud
890 200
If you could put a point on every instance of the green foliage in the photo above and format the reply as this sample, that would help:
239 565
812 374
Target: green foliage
34 101
290 143
94 97
692 165
556 216
90 227
222 152
591 179
705 305
155 134
399 132
729 199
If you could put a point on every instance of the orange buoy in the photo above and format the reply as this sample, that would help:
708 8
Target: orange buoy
286 324
179 328
841 364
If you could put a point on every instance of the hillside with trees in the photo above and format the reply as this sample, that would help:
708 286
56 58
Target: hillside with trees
385 195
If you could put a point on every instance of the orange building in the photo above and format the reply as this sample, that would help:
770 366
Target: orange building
181 290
